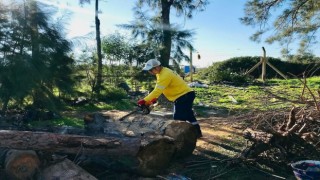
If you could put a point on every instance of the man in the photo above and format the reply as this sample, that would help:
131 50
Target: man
175 89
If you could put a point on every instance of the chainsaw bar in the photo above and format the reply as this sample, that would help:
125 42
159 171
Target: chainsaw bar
140 109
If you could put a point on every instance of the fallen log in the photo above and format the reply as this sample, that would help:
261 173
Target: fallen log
69 144
163 140
183 134
143 144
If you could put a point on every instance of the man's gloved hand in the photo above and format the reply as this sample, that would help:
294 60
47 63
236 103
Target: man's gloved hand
153 101
141 102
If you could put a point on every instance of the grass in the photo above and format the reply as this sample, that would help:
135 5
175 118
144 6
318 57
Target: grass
274 94
67 121
73 115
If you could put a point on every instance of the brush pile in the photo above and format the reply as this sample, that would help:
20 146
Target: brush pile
287 135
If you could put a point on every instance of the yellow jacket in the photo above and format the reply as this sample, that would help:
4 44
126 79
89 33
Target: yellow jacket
170 84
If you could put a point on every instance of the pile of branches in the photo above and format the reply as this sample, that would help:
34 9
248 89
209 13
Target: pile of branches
301 121
284 136
275 139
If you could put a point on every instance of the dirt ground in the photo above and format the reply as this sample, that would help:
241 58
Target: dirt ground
222 141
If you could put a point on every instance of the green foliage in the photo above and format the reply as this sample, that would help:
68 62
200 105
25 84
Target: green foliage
288 21
116 48
165 40
112 93
33 57
68 121
232 70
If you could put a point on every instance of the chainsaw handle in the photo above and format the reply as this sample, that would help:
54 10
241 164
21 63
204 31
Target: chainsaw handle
144 109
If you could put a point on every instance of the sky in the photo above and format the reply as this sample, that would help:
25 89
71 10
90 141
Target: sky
219 35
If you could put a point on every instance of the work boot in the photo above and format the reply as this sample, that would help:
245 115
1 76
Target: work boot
199 133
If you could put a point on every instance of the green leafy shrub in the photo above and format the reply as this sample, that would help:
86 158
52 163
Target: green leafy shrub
233 70
112 94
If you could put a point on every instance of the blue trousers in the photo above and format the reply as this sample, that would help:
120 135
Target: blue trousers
183 108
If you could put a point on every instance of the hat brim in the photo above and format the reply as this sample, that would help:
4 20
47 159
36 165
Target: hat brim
146 68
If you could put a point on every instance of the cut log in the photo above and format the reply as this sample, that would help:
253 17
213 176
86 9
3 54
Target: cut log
183 133
70 144
144 144
185 137
21 164
155 154
66 170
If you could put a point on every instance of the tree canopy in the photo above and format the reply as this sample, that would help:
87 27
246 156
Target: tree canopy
159 28
291 20
33 55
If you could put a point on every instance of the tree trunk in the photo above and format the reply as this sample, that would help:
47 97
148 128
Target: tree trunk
98 39
166 44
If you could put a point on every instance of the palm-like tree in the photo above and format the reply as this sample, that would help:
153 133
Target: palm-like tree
149 30
182 7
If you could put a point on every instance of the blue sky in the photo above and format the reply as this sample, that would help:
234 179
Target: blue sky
219 35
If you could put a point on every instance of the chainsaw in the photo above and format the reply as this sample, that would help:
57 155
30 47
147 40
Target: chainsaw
140 109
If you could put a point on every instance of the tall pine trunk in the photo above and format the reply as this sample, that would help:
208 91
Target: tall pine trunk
166 28
98 39
35 49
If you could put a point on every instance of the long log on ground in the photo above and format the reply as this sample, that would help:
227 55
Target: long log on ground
145 144
183 134
163 140
69 144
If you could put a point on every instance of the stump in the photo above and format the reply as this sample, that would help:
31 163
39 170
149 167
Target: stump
21 164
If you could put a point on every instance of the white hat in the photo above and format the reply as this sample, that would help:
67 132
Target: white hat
151 64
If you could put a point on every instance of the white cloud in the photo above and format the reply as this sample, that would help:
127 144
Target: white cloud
68 6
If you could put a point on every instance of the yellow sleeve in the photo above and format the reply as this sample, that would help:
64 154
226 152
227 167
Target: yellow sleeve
163 80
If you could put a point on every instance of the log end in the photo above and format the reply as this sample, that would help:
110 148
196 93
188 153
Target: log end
185 137
155 156
21 164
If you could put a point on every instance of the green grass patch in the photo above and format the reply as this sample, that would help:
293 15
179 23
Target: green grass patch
66 121
274 94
